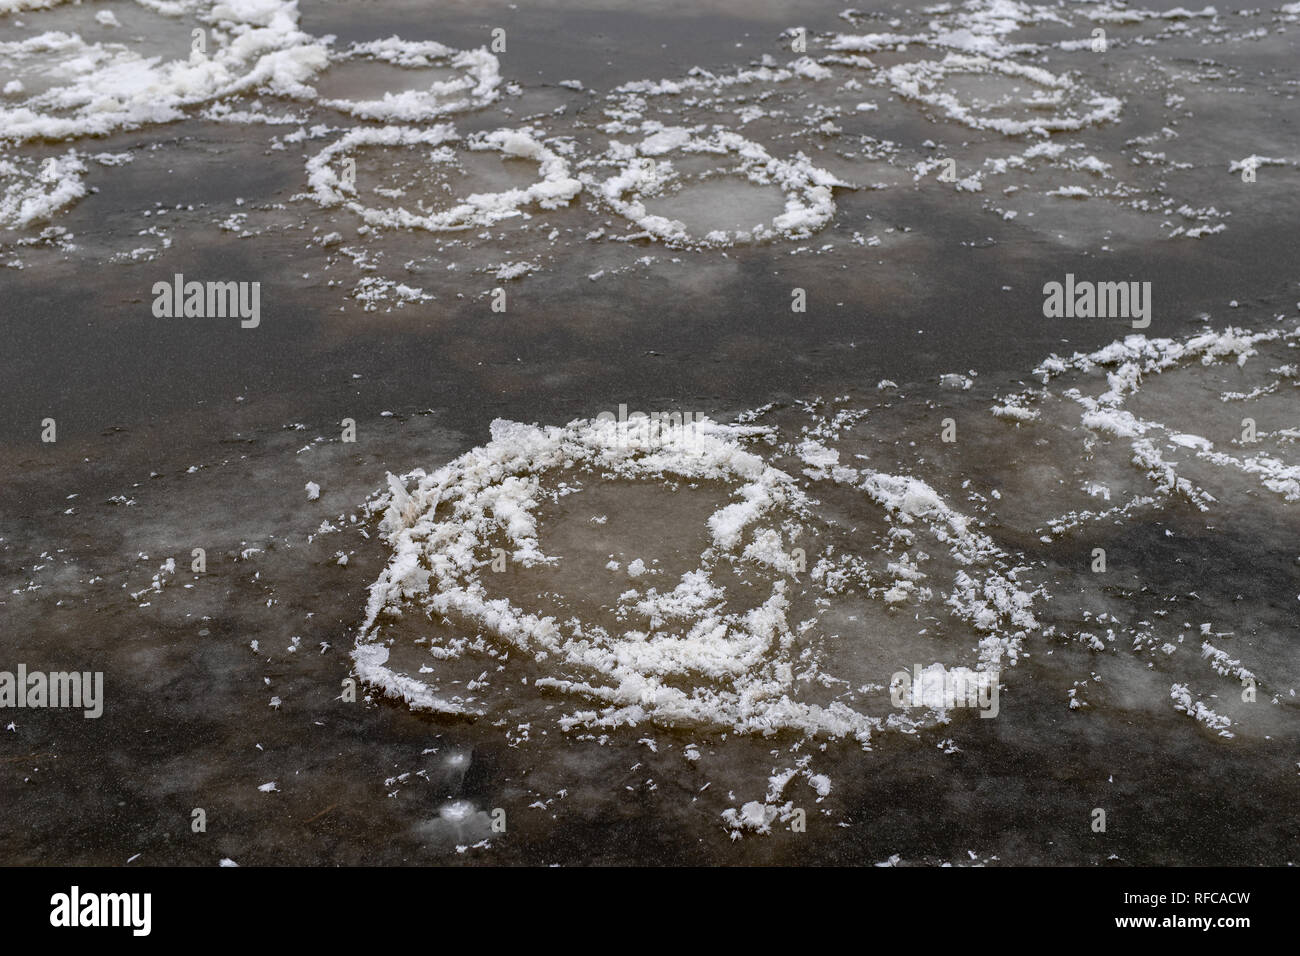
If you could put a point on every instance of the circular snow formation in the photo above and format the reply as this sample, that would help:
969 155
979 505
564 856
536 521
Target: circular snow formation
731 631
648 174
457 80
683 658
331 176
1002 95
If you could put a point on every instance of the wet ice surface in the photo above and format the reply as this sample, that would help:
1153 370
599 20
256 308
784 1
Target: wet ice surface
655 673
706 622
648 647
1011 107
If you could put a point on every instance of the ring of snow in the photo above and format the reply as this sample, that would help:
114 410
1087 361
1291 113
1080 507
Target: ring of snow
554 188
477 86
682 660
919 80
680 656
809 203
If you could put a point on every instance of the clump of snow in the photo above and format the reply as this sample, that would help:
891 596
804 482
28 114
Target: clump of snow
1183 701
103 87
33 196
